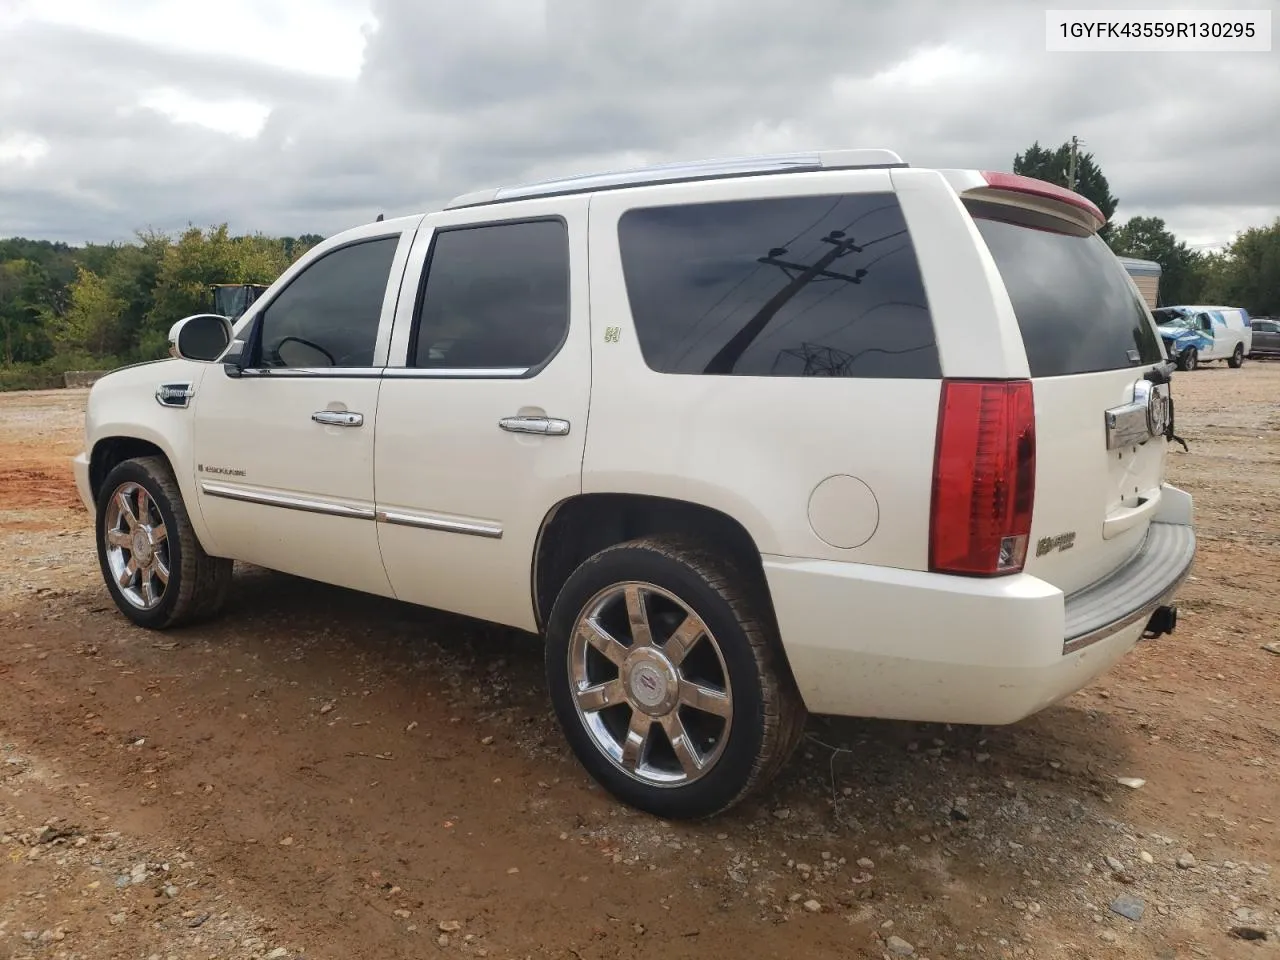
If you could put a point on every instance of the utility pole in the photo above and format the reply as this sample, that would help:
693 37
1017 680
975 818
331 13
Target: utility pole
729 355
1071 169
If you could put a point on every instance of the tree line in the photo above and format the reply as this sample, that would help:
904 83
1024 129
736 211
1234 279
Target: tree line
103 305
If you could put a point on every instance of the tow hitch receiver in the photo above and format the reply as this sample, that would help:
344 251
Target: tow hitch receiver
1164 620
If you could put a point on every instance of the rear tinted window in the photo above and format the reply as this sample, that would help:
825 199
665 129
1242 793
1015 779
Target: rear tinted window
823 286
1074 303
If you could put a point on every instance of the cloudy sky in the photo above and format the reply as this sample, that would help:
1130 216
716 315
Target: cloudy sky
291 117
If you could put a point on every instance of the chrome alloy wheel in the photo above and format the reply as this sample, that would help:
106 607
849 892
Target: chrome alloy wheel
640 659
137 546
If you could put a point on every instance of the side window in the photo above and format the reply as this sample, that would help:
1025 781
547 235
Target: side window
496 296
1203 320
328 315
824 286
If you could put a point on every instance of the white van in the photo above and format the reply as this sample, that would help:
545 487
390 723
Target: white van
1193 335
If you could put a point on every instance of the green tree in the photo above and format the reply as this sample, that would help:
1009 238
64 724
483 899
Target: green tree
92 318
24 289
294 247
1248 274
199 259
1213 269
132 278
115 302
56 259
1182 277
1053 166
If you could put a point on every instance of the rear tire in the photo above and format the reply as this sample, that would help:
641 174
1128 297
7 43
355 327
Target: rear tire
154 567
1237 358
667 677
1189 359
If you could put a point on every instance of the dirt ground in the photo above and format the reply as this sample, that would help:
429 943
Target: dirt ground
326 775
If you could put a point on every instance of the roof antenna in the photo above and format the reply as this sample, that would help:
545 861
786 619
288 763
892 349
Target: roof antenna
379 220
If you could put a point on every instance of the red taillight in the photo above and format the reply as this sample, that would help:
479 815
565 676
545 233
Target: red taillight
1016 183
984 475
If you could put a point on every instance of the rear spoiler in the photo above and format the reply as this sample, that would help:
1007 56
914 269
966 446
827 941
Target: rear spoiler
1027 192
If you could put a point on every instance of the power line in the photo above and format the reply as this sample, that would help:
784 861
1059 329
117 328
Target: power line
748 275
716 325
834 290
727 357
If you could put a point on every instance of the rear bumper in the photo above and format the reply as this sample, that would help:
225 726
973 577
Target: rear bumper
897 644
1132 593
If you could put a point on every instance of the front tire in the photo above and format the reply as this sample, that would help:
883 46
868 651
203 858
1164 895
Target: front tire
667 677
1236 361
154 567
1189 359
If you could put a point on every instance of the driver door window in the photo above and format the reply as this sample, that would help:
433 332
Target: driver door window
328 315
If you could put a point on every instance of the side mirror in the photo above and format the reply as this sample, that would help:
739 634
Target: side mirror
202 336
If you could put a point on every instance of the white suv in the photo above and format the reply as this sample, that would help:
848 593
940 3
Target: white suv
740 438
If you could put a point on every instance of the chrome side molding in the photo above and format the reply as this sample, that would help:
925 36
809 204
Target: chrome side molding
287 501
487 529
427 521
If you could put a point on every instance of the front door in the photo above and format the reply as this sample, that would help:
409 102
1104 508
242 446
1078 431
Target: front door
284 452
483 412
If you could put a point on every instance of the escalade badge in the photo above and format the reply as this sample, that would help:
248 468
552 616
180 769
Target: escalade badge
1062 541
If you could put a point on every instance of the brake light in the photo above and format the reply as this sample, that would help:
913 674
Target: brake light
984 475
1016 183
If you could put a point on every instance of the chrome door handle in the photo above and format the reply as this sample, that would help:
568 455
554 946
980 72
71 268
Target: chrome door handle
543 426
338 418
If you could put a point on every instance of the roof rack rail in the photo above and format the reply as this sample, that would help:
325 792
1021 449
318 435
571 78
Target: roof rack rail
686 171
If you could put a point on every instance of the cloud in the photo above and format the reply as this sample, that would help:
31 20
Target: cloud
252 113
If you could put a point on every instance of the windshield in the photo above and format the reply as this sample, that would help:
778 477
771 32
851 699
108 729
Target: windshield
1172 318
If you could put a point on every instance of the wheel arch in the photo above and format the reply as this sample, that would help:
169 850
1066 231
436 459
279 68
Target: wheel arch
585 524
110 451
115 443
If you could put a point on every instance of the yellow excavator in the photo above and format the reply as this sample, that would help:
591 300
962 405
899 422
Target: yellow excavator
231 300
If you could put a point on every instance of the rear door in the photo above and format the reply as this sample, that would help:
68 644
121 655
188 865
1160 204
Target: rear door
1090 342
482 416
